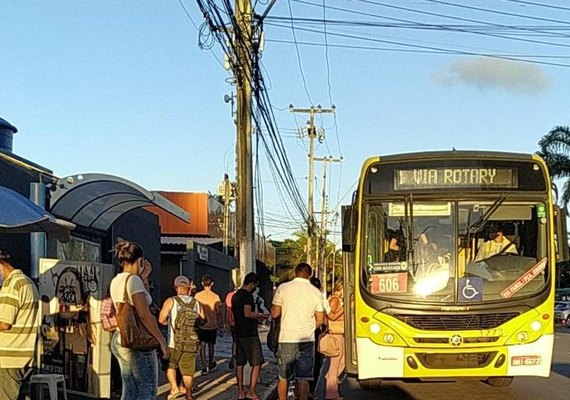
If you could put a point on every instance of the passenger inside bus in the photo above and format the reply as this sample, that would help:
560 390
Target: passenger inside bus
396 250
496 244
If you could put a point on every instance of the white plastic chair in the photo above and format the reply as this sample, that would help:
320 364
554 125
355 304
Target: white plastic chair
51 380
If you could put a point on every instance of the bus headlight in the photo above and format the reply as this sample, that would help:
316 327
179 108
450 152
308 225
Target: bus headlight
389 338
536 326
522 336
375 328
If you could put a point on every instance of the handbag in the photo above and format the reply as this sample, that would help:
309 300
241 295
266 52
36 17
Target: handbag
108 315
328 345
134 334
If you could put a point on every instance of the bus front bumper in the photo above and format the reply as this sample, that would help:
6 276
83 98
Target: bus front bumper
378 361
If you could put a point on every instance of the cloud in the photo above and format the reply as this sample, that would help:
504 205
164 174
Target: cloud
490 73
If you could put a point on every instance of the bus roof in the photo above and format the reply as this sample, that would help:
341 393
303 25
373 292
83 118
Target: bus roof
459 154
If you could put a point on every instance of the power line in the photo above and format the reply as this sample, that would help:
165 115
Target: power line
439 49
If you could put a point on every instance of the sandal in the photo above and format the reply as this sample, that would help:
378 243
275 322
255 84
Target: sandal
175 395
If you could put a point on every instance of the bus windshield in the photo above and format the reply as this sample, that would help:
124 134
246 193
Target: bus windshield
454 251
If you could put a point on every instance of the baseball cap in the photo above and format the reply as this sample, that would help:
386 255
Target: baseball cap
181 280
4 255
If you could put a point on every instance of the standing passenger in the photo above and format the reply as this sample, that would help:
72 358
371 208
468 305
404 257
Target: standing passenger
336 327
18 329
248 345
212 306
300 306
182 314
139 369
231 325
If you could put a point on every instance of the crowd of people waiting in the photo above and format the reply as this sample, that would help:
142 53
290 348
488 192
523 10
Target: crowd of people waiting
193 320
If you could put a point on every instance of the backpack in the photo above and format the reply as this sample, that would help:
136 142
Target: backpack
186 326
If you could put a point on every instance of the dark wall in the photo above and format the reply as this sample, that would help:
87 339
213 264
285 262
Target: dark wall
142 227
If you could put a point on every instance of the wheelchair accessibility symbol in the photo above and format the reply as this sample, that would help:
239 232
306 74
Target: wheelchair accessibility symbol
471 289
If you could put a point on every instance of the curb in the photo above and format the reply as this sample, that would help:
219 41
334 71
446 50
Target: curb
270 393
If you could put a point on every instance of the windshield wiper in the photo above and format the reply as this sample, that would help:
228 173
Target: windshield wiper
480 223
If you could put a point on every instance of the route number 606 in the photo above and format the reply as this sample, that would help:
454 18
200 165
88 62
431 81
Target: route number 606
390 283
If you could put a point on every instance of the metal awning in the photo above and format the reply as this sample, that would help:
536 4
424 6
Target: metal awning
20 215
97 200
183 240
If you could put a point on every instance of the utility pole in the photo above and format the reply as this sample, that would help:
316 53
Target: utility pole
312 134
243 74
322 240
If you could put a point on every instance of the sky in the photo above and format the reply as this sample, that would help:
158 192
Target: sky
124 88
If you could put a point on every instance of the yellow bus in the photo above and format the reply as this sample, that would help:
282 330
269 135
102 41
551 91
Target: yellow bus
449 265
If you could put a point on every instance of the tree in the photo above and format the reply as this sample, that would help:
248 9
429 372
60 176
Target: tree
555 149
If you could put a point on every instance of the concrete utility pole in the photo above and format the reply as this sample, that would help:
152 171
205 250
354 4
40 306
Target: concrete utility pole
312 134
243 75
322 240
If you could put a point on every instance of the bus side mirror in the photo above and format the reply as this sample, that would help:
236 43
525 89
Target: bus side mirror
349 221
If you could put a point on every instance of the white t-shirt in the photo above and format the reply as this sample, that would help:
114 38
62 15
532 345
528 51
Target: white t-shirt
135 286
299 301
174 313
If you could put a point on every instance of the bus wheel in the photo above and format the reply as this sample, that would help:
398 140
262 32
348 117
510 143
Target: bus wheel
500 381
370 384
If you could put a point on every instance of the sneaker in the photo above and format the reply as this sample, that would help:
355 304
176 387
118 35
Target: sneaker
232 363
212 366
205 371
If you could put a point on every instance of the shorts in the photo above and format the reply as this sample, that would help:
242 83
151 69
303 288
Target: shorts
208 335
15 382
185 361
296 360
248 350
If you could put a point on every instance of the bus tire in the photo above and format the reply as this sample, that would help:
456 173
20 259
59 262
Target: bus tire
370 384
500 381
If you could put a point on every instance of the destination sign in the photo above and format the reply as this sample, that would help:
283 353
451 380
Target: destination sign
433 178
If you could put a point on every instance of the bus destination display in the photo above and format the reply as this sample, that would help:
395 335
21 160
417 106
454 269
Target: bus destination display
434 178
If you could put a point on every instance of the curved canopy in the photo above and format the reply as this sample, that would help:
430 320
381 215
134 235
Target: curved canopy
97 200
20 215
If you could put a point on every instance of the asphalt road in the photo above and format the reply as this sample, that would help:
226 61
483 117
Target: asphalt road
557 386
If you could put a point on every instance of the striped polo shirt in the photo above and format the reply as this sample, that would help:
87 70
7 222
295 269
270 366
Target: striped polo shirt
19 306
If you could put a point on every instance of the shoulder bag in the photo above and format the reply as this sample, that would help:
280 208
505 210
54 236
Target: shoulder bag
328 345
134 334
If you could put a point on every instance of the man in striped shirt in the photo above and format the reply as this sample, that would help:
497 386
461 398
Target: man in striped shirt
19 309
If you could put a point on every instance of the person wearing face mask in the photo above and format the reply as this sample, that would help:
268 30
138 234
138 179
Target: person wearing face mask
19 307
496 244
139 369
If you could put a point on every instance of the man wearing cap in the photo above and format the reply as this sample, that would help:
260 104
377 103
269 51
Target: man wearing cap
185 361
19 309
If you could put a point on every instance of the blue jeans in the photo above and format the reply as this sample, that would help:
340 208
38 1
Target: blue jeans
139 371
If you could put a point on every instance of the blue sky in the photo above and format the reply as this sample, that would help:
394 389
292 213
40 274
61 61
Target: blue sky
122 87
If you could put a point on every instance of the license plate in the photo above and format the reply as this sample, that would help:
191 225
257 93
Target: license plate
520 361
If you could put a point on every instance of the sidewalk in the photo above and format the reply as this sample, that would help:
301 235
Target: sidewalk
220 384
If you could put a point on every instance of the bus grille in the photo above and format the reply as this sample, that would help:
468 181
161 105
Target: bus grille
456 360
445 340
458 322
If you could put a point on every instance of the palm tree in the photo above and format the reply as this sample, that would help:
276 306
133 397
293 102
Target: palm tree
555 149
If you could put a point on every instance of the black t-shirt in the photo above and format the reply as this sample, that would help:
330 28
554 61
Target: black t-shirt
245 327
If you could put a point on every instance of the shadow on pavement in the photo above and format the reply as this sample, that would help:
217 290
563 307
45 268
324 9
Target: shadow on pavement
391 391
561 369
